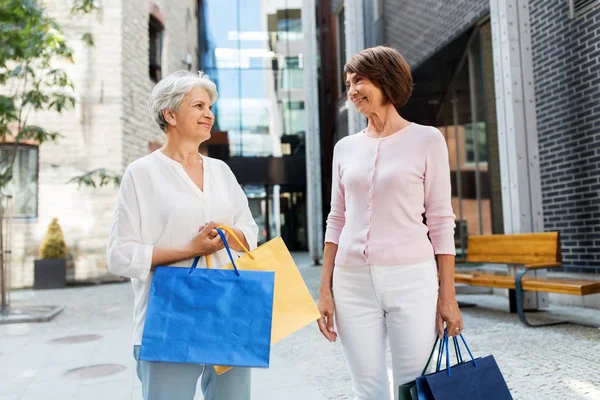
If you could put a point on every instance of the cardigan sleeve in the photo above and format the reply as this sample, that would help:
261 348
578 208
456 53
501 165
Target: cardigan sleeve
336 218
438 197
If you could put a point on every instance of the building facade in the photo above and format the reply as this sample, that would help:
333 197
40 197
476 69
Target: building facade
513 86
135 43
255 52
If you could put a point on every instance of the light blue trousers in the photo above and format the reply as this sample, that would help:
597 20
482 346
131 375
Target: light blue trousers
173 381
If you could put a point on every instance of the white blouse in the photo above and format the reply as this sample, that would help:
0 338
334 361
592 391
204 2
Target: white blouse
159 205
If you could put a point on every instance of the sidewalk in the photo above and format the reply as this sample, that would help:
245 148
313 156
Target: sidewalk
36 359
548 363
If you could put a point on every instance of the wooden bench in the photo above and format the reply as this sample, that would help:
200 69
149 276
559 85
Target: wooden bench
529 251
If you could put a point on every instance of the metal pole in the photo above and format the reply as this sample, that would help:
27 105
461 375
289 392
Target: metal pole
355 42
3 289
475 133
454 102
267 215
314 201
7 246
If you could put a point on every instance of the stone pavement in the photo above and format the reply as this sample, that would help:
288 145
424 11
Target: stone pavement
560 362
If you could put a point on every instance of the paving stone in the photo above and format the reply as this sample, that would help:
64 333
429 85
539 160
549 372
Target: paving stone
559 362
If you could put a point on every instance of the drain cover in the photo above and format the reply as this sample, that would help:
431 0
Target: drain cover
75 339
94 371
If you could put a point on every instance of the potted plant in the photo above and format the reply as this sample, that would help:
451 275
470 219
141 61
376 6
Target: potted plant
50 269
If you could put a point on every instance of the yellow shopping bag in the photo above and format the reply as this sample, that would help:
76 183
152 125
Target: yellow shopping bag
293 306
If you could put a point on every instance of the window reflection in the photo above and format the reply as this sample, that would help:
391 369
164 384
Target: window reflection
467 120
257 62
24 183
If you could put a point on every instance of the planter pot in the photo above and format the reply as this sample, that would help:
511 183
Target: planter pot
49 273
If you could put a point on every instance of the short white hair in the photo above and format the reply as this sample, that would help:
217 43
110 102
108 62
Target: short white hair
170 91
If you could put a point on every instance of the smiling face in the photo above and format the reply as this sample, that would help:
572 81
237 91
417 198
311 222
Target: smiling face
363 93
194 118
377 77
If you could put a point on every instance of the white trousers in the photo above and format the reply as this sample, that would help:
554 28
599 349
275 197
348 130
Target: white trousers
373 303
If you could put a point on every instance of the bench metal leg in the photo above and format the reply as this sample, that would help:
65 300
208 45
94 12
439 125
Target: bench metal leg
512 301
464 304
521 305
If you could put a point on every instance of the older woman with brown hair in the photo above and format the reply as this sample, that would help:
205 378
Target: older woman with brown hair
386 274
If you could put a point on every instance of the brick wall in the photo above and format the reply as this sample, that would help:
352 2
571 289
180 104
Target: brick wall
419 28
91 139
180 37
566 61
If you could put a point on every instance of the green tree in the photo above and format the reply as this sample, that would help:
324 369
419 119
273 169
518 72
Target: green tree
31 45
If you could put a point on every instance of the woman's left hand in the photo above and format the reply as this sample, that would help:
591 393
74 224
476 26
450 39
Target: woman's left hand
213 234
448 312
232 242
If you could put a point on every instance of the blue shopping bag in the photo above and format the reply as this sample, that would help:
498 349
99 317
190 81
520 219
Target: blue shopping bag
209 316
477 379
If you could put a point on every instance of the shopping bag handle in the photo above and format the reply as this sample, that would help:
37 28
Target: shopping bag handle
457 349
224 239
232 233
437 339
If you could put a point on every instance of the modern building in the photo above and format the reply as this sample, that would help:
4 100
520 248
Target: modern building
514 87
255 52
135 44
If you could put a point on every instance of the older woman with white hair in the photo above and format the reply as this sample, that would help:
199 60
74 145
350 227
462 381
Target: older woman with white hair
166 214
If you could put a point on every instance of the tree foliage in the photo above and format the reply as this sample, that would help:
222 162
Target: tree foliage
32 44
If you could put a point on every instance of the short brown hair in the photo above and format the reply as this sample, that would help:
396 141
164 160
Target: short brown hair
387 69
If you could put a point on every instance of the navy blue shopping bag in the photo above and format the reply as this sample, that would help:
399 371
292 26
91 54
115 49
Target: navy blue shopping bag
477 379
209 316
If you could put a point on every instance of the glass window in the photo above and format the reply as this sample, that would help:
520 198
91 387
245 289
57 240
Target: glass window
227 108
257 202
24 183
294 118
261 117
467 119
481 135
292 63
257 65
221 33
292 79
156 44
289 25
254 16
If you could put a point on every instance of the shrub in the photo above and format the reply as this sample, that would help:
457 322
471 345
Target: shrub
53 245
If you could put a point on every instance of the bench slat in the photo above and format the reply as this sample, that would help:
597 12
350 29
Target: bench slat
463 278
526 248
580 287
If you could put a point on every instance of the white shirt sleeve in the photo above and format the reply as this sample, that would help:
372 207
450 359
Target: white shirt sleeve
126 255
242 216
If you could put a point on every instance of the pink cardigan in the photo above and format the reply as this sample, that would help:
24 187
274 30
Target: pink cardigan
381 188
